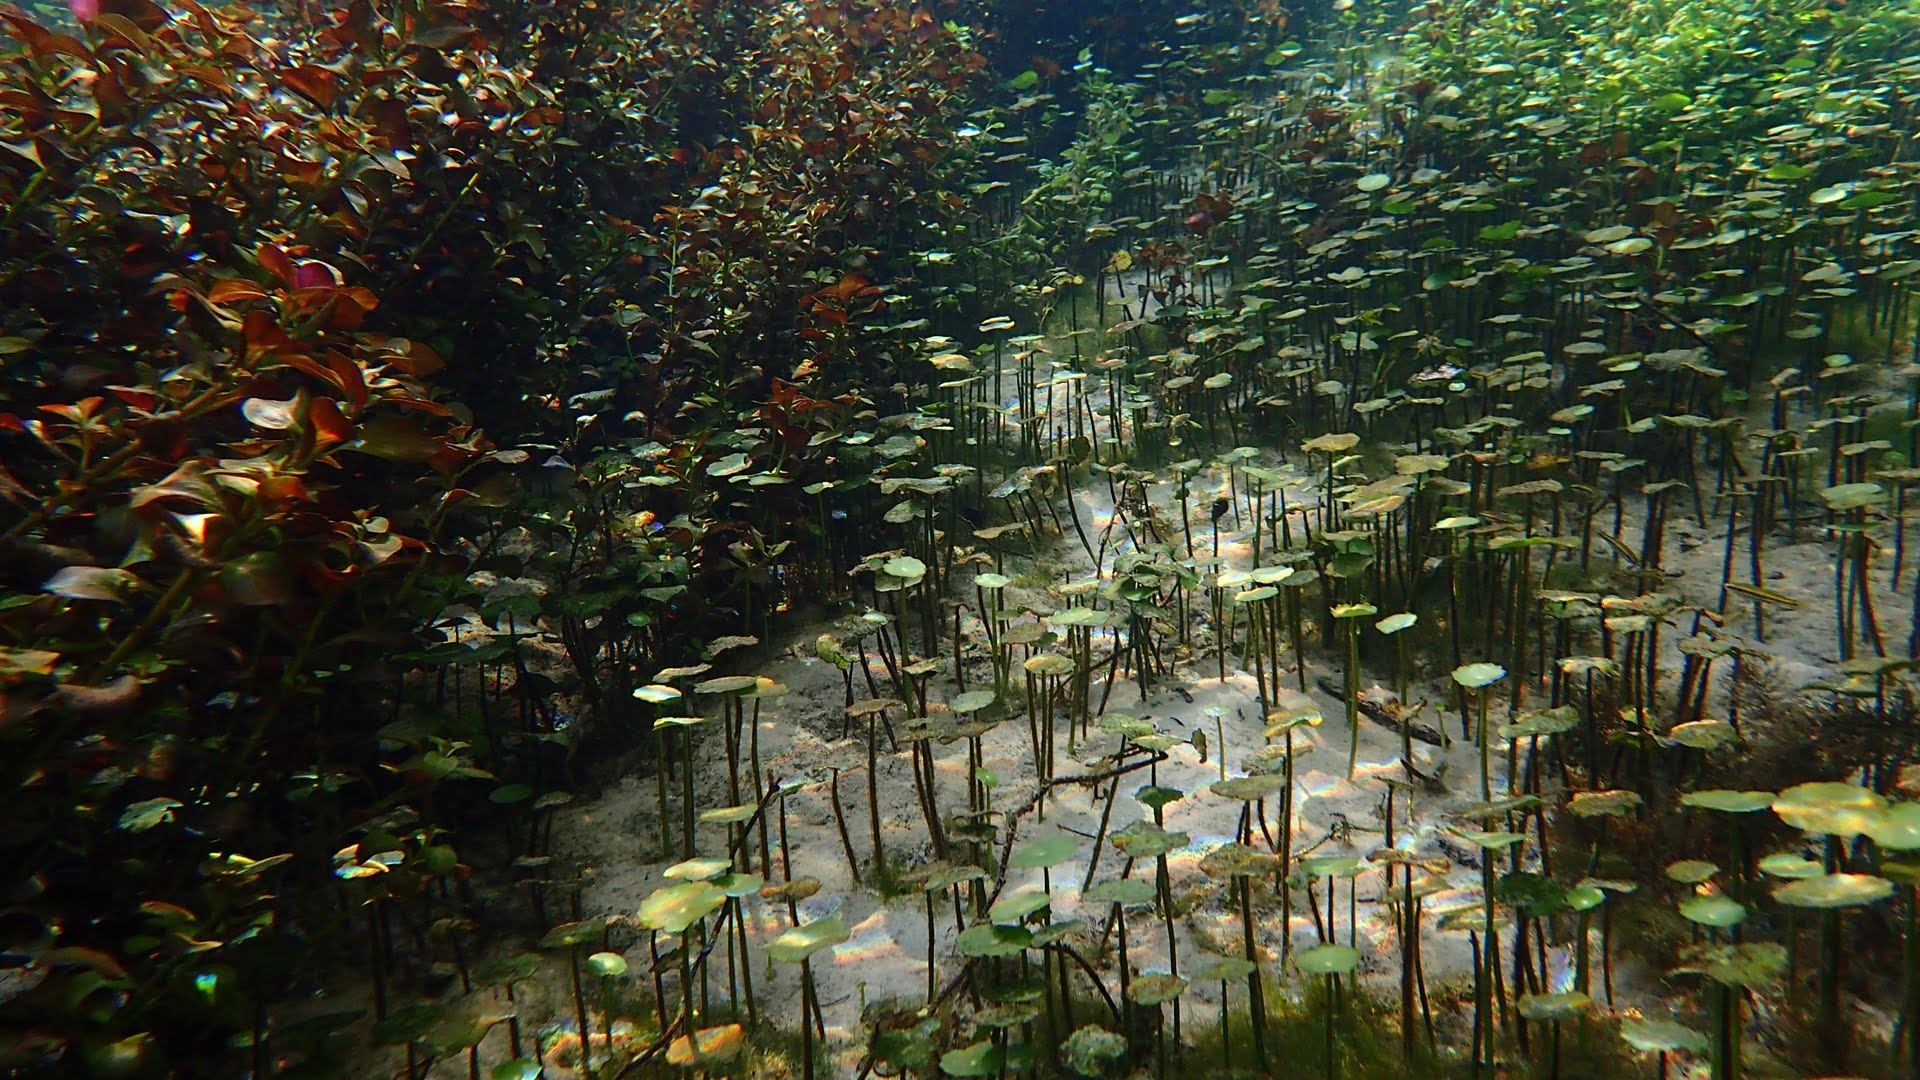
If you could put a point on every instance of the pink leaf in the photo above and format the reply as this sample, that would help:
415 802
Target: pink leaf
314 274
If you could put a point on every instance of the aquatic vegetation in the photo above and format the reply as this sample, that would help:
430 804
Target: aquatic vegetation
419 421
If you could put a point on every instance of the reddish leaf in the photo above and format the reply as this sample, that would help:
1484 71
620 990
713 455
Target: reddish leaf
431 408
145 14
443 37
138 397
303 363
24 28
281 490
123 30
235 291
351 379
327 421
316 84
449 459
314 274
277 263
204 18
390 119
187 481
413 357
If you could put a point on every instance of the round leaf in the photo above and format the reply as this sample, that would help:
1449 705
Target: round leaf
803 941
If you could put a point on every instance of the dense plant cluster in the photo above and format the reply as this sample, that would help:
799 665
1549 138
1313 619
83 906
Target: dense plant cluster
240 252
224 476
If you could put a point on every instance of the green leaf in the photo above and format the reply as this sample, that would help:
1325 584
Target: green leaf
1248 788
1899 830
1129 892
971 701
803 941
729 465
1728 802
1014 907
1045 852
1026 80
1145 840
989 939
980 1059
1853 496
1867 200
1830 808
607 965
1748 964
1566 1005
568 935
1476 676
1830 891
1713 910
675 907
697 869
1590 804
1328 959
905 567
1661 1035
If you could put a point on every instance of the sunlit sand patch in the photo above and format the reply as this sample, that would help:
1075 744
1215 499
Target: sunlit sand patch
770 920
1183 862
1446 902
1561 966
1390 768
1317 784
871 942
